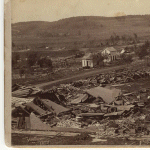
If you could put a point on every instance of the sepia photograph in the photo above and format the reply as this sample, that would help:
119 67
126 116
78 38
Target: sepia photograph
80 73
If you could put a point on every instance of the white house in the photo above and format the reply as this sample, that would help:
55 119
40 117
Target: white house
111 54
87 60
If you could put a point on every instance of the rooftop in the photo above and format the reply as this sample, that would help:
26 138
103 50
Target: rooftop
111 49
88 56
108 95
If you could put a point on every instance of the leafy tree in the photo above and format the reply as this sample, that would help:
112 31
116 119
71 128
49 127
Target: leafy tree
15 58
112 39
147 44
13 63
91 42
107 43
117 38
45 62
142 52
123 38
49 62
32 58
135 36
21 72
127 58
99 58
41 62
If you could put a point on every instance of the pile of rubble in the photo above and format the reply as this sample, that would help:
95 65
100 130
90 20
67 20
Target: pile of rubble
85 104
114 77
23 91
71 123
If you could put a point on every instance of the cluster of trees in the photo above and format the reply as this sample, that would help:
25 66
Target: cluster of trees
34 58
45 62
15 58
99 58
142 51
114 39
126 58
20 47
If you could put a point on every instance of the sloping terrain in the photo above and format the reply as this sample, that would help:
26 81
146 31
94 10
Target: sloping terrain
79 29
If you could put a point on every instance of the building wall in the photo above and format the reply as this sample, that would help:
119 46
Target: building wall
111 55
110 58
87 63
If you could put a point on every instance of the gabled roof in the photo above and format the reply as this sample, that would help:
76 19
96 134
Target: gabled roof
36 108
111 49
107 95
51 105
80 99
88 56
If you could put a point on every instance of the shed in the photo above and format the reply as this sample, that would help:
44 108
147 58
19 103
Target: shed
108 95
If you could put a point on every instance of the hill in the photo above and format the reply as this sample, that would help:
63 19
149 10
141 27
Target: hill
66 32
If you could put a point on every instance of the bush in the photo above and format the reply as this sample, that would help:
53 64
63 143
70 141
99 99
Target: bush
142 52
45 62
127 58
32 58
21 72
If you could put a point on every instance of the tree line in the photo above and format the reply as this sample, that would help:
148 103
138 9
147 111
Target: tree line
32 59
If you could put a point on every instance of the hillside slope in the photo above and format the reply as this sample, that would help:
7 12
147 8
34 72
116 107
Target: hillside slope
79 29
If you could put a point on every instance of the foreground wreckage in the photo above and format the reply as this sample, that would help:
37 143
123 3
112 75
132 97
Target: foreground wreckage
95 104
85 105
40 110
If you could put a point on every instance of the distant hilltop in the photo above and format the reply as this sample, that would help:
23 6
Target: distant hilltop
95 26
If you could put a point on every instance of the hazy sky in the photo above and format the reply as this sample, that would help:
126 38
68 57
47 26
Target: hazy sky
52 10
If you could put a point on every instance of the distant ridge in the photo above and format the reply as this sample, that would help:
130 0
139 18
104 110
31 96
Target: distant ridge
86 23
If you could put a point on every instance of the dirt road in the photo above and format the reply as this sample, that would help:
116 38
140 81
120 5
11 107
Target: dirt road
82 75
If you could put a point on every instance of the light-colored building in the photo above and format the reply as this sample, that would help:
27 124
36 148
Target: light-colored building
122 51
110 53
88 61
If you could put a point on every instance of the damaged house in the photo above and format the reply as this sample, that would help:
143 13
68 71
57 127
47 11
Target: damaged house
34 114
